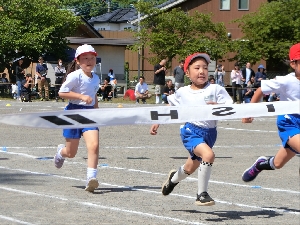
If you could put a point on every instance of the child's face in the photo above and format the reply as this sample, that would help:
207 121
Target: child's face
87 62
198 72
296 66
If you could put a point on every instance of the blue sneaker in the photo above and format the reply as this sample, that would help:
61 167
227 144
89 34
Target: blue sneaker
251 173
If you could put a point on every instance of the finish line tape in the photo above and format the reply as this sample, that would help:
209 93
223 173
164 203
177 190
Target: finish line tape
148 115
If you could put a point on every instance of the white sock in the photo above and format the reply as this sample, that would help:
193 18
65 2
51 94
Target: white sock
179 175
58 154
91 173
157 99
204 172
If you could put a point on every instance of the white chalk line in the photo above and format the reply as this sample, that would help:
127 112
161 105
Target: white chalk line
163 174
148 147
144 214
156 192
239 129
15 220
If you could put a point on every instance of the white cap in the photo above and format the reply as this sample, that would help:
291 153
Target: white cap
85 49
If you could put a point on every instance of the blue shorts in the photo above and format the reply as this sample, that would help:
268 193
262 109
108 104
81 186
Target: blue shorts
77 133
288 128
192 136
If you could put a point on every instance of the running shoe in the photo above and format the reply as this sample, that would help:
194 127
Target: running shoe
204 200
251 173
92 184
59 161
168 186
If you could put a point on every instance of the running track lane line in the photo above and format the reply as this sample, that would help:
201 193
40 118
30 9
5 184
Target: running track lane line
162 174
101 206
155 192
15 220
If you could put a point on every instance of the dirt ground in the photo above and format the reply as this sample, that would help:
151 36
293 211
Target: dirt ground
132 167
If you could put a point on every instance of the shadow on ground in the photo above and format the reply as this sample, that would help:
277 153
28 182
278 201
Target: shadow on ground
222 216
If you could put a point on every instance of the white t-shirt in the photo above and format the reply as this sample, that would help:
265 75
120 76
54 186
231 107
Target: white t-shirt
141 88
187 96
287 86
78 82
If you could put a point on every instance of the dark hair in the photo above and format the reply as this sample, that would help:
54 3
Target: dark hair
107 79
181 61
58 61
237 64
142 77
28 75
72 66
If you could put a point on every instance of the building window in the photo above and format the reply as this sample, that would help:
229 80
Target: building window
243 5
224 4
102 28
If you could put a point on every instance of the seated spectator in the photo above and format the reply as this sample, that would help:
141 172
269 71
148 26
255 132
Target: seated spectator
5 85
106 90
26 88
274 97
212 80
168 90
249 90
141 91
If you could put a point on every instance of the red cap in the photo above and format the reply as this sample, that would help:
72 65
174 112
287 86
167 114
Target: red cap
193 56
295 52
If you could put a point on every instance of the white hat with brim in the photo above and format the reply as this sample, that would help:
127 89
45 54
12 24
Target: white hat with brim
85 49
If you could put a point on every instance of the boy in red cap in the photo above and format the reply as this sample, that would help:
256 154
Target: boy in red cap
288 125
198 137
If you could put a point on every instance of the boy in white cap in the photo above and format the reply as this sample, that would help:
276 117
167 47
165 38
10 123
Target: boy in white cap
288 125
198 137
81 87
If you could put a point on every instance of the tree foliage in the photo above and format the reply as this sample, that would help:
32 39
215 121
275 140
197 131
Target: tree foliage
33 27
269 32
176 33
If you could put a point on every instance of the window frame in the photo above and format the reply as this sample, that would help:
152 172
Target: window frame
238 6
221 9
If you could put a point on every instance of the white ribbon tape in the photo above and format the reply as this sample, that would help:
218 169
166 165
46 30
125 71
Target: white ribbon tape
148 115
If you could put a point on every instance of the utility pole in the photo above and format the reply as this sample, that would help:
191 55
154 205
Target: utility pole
139 51
108 5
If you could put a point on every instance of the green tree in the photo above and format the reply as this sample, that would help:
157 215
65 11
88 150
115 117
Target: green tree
33 27
269 32
176 33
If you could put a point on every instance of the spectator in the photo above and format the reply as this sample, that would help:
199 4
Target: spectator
168 90
41 71
60 72
159 79
26 88
219 75
260 75
141 91
212 80
20 72
113 81
249 91
14 90
106 90
236 79
247 73
274 97
4 86
178 74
